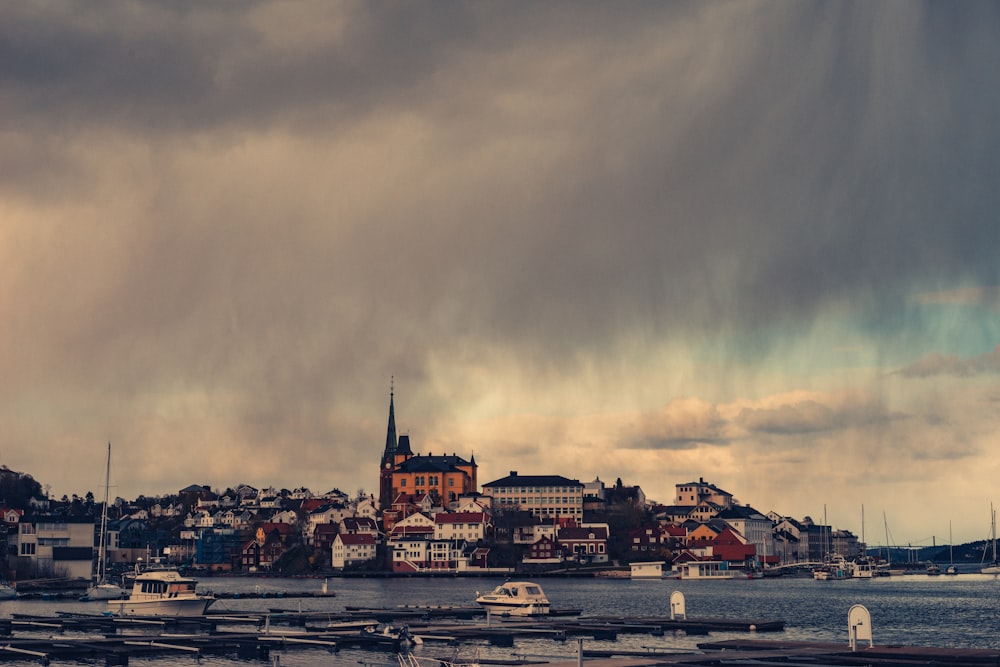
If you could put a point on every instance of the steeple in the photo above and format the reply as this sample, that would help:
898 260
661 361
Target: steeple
390 434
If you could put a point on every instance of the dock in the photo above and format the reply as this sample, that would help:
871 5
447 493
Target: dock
252 636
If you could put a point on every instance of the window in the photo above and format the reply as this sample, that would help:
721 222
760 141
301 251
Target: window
27 548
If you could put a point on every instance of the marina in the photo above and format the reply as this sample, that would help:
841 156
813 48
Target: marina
609 622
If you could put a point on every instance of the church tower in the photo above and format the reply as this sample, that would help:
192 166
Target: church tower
388 463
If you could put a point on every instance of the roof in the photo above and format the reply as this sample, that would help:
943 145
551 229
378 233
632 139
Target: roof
742 512
583 533
430 463
460 517
514 479
359 538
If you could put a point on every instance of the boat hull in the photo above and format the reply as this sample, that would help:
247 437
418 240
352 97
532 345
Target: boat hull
517 598
169 607
105 592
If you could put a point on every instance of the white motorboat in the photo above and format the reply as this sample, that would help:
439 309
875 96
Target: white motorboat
516 598
162 593
7 592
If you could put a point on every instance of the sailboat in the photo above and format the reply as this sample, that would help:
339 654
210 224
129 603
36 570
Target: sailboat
951 569
101 588
994 566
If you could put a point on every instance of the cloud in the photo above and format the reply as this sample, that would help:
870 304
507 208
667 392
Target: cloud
681 424
643 233
812 415
935 364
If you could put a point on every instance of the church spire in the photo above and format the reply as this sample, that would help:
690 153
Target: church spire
390 435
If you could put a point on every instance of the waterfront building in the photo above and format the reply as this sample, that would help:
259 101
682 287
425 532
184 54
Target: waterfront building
757 528
56 546
352 549
586 544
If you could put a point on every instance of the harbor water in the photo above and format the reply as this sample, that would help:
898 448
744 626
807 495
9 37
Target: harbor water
916 610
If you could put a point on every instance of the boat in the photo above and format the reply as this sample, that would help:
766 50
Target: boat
951 569
102 589
162 593
933 569
515 598
834 568
994 566
862 568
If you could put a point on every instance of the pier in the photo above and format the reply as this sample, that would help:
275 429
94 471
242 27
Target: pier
114 640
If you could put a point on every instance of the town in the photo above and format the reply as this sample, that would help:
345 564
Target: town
430 516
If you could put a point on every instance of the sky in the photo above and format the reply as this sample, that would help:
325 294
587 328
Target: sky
754 243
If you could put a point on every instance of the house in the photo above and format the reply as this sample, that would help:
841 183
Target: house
411 553
56 546
587 544
262 552
270 542
733 548
468 526
352 549
696 493
366 508
354 525
415 524
754 526
285 516
649 540
545 551
322 537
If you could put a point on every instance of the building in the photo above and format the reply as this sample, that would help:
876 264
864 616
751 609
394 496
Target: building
56 546
695 493
443 477
757 528
551 497
352 549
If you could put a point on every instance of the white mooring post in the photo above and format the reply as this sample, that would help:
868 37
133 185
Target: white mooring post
579 651
859 626
677 610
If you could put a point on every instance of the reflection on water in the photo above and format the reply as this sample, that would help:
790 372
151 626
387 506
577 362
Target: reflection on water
962 611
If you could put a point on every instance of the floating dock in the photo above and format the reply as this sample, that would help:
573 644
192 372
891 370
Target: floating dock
252 636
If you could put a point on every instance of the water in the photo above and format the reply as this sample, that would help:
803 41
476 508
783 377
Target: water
961 611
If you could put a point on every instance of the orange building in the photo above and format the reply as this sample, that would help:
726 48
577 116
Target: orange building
443 477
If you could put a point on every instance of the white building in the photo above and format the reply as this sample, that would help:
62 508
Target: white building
57 546
546 496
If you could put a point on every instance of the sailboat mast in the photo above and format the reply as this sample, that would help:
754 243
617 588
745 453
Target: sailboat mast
104 519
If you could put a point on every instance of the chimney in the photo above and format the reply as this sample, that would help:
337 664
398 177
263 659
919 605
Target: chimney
513 473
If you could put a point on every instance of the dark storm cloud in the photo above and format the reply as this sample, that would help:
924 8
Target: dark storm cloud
253 214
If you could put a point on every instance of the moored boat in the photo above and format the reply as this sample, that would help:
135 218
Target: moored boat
994 565
516 598
102 589
162 593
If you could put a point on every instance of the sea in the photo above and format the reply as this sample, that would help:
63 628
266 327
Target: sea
960 611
